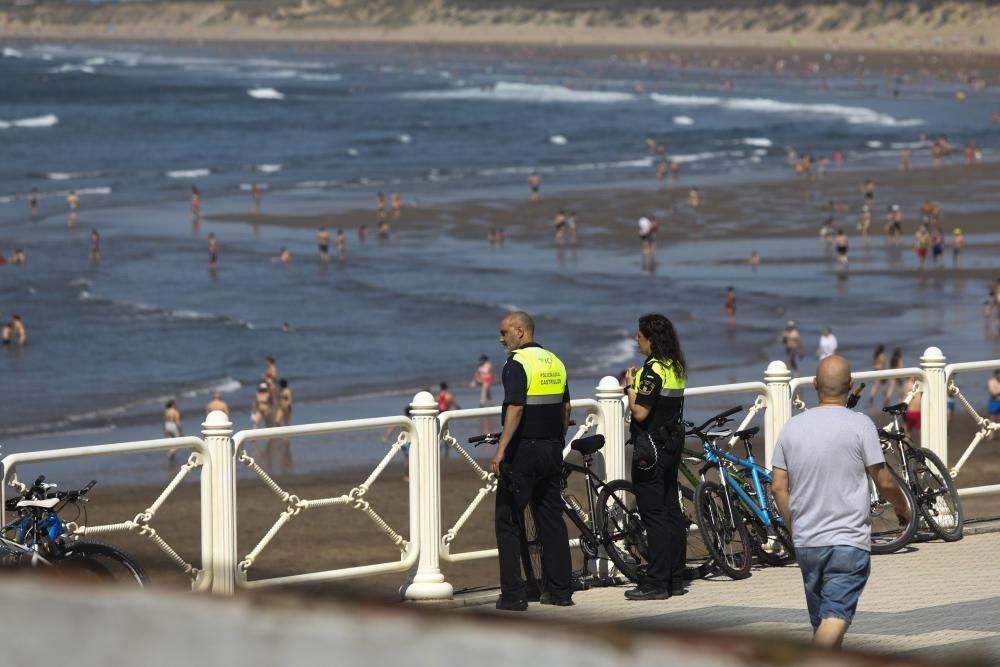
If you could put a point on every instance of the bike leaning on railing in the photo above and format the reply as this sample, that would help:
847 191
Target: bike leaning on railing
40 538
608 524
738 516
926 478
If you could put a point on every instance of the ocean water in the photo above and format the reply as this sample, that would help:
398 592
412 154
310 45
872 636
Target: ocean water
131 128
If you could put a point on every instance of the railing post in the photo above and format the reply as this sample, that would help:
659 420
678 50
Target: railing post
427 582
934 404
609 398
217 432
779 405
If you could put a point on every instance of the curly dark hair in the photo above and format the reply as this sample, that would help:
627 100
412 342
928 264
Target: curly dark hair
663 340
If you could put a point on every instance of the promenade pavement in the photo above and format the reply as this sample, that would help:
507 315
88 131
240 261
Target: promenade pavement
930 601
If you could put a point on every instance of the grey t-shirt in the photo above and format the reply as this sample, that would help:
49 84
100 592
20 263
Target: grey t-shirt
825 451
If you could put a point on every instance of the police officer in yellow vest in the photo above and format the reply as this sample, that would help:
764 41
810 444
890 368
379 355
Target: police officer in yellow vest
656 398
528 463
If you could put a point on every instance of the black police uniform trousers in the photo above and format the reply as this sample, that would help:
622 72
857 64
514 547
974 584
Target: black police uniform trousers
666 526
532 477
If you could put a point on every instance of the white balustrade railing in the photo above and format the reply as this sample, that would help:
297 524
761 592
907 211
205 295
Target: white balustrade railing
141 523
426 543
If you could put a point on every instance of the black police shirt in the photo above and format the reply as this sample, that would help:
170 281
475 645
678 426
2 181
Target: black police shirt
538 421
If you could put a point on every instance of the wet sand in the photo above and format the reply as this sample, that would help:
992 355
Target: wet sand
327 538
775 207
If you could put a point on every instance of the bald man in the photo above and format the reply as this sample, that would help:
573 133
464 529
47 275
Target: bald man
822 461
528 464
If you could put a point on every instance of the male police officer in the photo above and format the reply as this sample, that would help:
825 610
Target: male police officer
528 463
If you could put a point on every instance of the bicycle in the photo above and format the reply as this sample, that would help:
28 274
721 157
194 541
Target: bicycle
739 515
888 536
926 477
609 525
40 538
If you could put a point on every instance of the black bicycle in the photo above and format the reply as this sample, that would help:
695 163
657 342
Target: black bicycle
40 538
926 477
609 524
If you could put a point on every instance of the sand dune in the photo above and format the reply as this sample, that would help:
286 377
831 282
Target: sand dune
895 26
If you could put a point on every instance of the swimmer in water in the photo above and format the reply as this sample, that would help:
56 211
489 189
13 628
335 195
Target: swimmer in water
534 182
323 242
195 202
213 252
73 201
34 202
341 246
284 257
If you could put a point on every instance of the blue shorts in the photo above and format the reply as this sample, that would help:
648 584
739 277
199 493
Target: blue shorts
994 408
834 578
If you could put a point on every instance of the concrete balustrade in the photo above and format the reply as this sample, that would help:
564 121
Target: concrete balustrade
421 554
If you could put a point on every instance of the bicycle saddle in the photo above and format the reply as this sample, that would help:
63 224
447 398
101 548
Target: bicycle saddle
715 435
891 435
899 408
589 445
748 432
45 503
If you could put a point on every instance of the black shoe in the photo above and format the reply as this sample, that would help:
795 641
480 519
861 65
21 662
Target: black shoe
534 595
512 604
678 589
548 598
647 593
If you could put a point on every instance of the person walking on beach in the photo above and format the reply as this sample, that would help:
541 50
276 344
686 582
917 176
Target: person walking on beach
694 201
868 189
195 202
20 334
255 193
921 239
840 243
397 205
878 364
892 384
172 426
363 232
283 416
323 242
791 339
213 252
655 396
528 463
72 201
380 207
95 247
341 246
7 333
823 460
260 409
534 183
827 344
647 240
571 226
445 399
957 243
216 404
559 224
729 306
866 222
483 378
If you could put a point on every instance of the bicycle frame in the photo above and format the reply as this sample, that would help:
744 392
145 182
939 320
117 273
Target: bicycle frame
715 457
594 486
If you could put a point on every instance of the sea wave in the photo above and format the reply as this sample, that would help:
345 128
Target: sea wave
760 142
683 120
48 120
268 168
145 311
853 115
613 356
320 77
12 53
189 173
265 94
70 175
69 69
73 423
522 92
582 166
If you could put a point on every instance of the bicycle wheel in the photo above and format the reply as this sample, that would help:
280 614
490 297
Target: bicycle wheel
887 535
772 544
106 562
935 493
725 535
531 555
621 529
698 559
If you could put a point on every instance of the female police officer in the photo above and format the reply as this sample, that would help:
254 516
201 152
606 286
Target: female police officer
656 398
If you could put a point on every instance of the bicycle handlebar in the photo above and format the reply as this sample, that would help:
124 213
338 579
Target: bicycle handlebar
718 420
36 492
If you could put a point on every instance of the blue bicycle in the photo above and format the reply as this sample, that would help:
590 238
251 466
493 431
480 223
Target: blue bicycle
40 539
738 516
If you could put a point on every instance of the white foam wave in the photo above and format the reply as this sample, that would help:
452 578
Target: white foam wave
145 311
698 157
97 60
189 173
320 77
353 152
275 74
70 175
405 139
12 53
48 120
101 190
584 166
683 120
760 142
268 168
906 144
620 352
522 92
265 94
81 282
853 115
7 199
873 144
68 69
558 140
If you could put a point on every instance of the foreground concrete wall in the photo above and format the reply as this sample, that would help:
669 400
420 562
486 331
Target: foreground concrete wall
107 628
